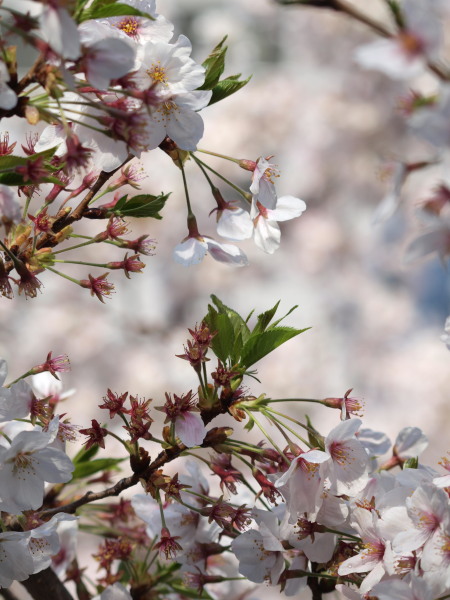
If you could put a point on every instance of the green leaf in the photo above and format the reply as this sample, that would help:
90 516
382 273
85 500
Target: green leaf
239 325
11 162
223 342
84 454
265 318
261 344
87 468
144 205
286 315
226 87
14 179
102 9
214 65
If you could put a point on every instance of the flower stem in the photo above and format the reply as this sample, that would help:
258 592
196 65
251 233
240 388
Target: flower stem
77 281
91 241
224 156
267 436
246 195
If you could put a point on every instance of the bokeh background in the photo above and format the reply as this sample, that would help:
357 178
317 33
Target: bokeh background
332 128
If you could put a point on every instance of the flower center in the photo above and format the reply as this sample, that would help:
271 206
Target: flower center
157 73
129 25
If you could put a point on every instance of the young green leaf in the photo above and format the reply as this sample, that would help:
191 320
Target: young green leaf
102 9
144 205
261 344
226 87
87 468
214 65
265 318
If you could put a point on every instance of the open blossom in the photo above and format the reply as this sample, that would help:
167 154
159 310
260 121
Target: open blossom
266 233
140 29
263 185
192 250
406 54
302 484
16 563
427 509
370 558
260 552
106 55
25 467
348 467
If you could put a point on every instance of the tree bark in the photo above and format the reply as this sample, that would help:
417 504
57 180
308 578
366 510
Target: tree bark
46 585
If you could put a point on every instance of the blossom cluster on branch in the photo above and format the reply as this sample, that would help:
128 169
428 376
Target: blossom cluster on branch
341 510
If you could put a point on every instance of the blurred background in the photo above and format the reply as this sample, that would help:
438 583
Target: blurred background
334 130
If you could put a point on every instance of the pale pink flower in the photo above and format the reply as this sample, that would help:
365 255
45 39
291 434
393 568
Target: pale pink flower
266 233
16 563
302 484
263 185
417 588
234 223
25 467
427 509
436 555
139 29
44 541
260 553
106 56
410 442
192 250
370 558
348 467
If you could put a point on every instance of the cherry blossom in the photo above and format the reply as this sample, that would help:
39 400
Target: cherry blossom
348 467
302 484
260 552
139 29
44 541
192 250
25 467
16 562
266 233
263 186
371 557
106 55
427 509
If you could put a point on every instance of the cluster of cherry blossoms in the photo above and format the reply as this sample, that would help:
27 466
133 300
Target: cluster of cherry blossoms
217 508
109 88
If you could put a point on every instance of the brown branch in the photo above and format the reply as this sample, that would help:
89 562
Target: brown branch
163 457
45 585
65 219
